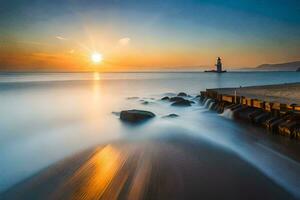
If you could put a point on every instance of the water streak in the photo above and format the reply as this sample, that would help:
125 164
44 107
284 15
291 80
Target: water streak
227 113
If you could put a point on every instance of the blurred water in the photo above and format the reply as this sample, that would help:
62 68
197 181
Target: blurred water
45 117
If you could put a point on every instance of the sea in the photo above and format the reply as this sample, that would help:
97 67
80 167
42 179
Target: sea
47 117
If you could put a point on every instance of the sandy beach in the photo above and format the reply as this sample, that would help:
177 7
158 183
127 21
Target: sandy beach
282 93
176 167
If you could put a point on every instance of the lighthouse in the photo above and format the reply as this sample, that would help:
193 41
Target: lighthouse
219 65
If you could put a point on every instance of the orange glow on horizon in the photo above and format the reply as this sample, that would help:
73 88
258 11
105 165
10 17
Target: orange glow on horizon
123 55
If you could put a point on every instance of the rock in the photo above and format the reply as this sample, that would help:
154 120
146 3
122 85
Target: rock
182 94
165 98
169 94
182 102
145 102
116 113
179 101
135 116
171 116
132 98
173 99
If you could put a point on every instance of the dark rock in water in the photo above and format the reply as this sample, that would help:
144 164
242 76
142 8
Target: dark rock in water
132 98
179 101
173 99
171 116
182 94
145 102
116 113
165 98
169 94
192 102
135 116
182 102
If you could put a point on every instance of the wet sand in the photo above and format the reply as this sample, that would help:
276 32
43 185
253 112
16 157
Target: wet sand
282 93
175 167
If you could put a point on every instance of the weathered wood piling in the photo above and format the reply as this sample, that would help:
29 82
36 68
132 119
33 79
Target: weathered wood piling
277 117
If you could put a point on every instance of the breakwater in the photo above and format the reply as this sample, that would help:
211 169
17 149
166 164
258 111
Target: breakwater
279 117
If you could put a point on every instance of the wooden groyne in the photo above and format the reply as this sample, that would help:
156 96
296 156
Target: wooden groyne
278 117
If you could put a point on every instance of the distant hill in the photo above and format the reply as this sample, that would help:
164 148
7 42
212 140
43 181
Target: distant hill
290 66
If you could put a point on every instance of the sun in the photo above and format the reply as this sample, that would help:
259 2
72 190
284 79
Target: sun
96 57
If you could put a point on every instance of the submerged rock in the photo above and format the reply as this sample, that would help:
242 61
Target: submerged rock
173 99
171 116
116 113
145 102
182 102
132 98
169 94
135 116
182 94
165 98
197 97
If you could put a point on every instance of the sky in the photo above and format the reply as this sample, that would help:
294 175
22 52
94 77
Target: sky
144 35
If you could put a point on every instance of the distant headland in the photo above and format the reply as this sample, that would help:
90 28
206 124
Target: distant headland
288 66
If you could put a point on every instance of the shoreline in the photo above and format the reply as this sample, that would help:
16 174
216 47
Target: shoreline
274 107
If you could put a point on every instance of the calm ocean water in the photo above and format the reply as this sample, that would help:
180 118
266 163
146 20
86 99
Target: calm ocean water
45 117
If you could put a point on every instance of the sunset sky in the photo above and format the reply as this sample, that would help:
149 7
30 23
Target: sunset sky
134 35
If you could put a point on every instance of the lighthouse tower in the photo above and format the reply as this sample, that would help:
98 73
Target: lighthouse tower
219 65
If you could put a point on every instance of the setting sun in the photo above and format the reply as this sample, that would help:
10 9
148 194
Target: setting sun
96 57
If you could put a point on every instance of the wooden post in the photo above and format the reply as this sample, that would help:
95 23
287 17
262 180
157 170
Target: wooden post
234 96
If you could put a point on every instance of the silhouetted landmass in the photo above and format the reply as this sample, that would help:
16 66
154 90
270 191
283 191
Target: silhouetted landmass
290 66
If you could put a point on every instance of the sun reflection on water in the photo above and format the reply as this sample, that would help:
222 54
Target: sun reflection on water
94 178
96 76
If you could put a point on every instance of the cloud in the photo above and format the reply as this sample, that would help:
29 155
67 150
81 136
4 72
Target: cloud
124 41
60 38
